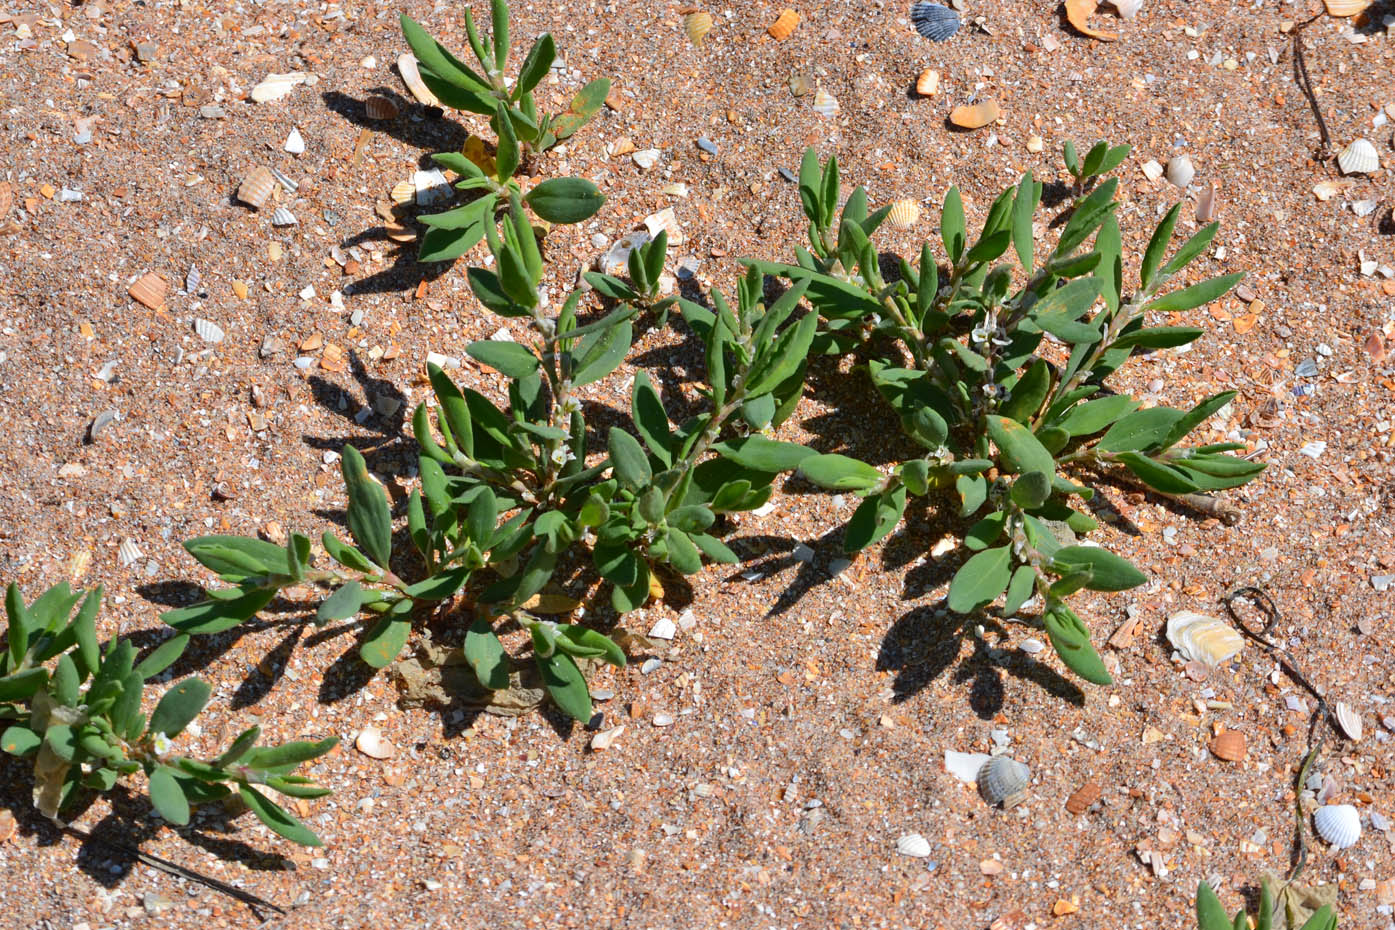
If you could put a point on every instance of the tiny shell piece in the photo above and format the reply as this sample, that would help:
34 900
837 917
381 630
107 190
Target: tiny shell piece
965 766
372 743
128 553
646 158
1338 824
1004 781
783 27
1359 158
381 108
1206 204
1152 170
208 331
276 86
283 217
295 143
1035 144
1084 796
1180 171
663 629
431 187
1127 9
1345 7
975 116
411 76
256 188
697 25
1349 720
664 220
904 214
913 845
928 84
933 21
800 84
825 104
149 290
1078 13
1229 745
1204 639
403 193
606 738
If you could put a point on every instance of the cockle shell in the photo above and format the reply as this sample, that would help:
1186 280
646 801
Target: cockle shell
913 845
1204 639
256 188
1345 7
403 193
1338 824
976 115
1349 720
783 27
1359 158
1003 781
1229 745
381 108
904 214
825 104
128 553
411 76
1180 171
283 217
928 83
373 744
936 23
208 331
697 25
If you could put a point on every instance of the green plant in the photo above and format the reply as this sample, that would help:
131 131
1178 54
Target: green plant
1210 915
89 737
645 265
998 373
517 125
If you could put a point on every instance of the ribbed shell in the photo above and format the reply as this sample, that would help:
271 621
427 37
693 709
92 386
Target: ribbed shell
150 289
403 193
1229 745
936 23
913 845
1349 720
1346 7
381 108
825 104
1003 781
904 214
283 217
411 76
697 25
976 115
208 331
1338 824
128 553
256 188
1359 158
783 27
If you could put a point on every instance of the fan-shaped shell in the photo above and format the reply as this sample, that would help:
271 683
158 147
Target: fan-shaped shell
783 27
411 76
208 331
914 845
928 83
1180 171
1229 745
936 23
825 104
128 552
904 214
283 217
1338 824
697 25
1349 720
381 108
403 193
1345 7
256 188
1003 781
1359 158
1204 639
975 115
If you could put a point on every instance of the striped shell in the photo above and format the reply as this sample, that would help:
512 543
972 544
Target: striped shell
913 845
208 331
1228 745
975 115
381 108
1349 720
936 23
697 26
403 193
411 76
1204 639
1359 158
1004 781
149 289
783 27
825 104
256 188
128 553
1345 7
283 217
904 214
928 83
1338 824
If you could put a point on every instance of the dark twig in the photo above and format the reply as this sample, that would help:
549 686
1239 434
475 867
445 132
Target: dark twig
1305 84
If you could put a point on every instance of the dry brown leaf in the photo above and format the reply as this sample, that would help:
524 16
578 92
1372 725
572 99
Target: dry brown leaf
1078 12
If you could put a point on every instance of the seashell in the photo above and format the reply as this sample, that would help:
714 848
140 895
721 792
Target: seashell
149 289
783 26
403 193
664 220
283 217
975 115
1180 171
904 214
1204 639
646 158
1338 824
965 766
1004 781
256 188
1127 9
128 553
1326 190
431 187
192 280
286 183
276 86
1206 204
616 258
411 76
1349 720
208 331
100 422
825 104
373 744
295 142
1078 13
1035 144
377 107
800 85
1152 170
1228 745
934 22
1083 797
1345 7
7 198
1359 158
1364 207
914 845
606 738
928 83
697 26
664 629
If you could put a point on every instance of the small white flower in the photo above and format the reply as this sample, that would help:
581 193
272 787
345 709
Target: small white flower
162 744
562 455
569 406
981 333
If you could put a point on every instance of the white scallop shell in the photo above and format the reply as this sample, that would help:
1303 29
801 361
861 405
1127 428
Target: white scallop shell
1004 781
208 331
1180 171
411 76
1338 824
904 214
1204 639
1349 720
128 553
825 104
283 217
276 86
1359 158
914 845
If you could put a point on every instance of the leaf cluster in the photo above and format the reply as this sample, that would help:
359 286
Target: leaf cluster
1210 915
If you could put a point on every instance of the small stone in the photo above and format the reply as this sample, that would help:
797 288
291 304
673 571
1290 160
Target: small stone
646 158
155 903
707 145
663 720
1035 144
650 666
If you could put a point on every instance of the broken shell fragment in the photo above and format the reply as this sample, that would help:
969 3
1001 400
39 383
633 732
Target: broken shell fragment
411 76
256 188
904 214
373 744
783 27
928 83
1338 824
149 289
1151 169
1127 9
295 143
825 104
276 86
606 738
403 193
965 766
934 22
1078 13
913 845
975 116
1180 171
1359 158
1349 721
381 108
664 221
283 217
128 553
697 25
208 331
431 186
1342 8
1204 639
1206 204
1229 745
1083 797
1003 781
